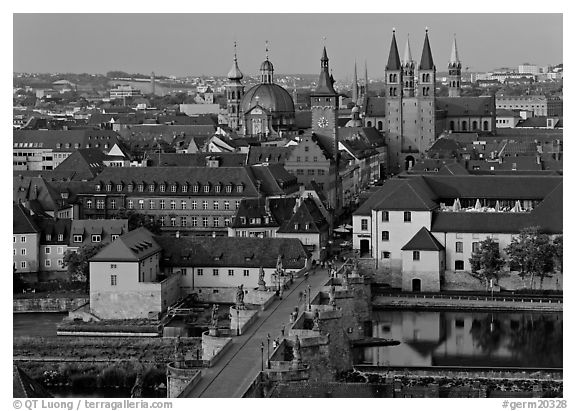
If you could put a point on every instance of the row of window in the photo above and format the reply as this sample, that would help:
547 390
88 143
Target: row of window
306 158
184 221
173 188
95 238
311 172
385 218
216 271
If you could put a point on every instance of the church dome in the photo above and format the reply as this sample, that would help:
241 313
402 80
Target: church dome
270 96
235 73
266 65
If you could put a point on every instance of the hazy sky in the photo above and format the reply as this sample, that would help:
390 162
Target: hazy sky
192 44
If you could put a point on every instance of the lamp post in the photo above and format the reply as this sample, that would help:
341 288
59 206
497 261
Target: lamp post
268 352
262 356
237 321
309 298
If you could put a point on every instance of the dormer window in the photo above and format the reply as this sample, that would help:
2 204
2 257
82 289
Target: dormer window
207 188
64 195
307 226
78 238
240 188
242 220
118 187
96 238
151 187
108 187
130 188
60 237
173 188
185 188
217 188
141 187
162 188
48 237
98 187
296 226
195 188
229 188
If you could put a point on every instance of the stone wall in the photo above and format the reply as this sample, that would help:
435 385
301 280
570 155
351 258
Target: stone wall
60 304
241 320
228 295
213 347
180 380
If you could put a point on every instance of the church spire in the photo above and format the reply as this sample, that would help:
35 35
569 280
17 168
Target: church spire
426 62
454 72
454 59
365 77
325 84
407 52
393 57
355 86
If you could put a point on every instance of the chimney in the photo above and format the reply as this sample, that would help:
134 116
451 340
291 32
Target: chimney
267 205
297 204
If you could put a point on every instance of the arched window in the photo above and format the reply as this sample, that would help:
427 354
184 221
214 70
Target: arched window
368 124
485 125
452 125
233 95
380 125
464 126
474 125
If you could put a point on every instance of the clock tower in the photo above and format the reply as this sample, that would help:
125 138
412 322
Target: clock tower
324 106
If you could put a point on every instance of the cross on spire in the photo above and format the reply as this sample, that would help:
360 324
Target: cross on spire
266 49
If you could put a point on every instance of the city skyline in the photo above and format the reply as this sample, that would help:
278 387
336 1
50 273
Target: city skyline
167 46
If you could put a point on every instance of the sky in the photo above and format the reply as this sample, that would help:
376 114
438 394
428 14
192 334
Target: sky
196 44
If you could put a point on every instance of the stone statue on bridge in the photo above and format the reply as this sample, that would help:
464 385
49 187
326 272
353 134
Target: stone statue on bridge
332 295
214 318
240 298
261 282
296 354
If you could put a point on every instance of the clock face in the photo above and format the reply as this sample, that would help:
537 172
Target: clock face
322 122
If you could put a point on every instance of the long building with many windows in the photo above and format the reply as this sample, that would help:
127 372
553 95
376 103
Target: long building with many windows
190 200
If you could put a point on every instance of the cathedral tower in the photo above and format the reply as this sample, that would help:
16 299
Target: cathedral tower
234 93
393 92
408 71
454 72
355 87
426 98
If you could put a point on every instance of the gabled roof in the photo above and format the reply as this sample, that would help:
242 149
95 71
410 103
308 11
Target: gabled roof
375 107
54 227
423 240
63 140
89 161
232 252
22 222
466 106
400 194
307 215
35 188
131 247
268 154
196 159
273 179
105 228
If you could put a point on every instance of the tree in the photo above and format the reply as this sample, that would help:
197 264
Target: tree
78 265
486 262
136 220
558 246
532 253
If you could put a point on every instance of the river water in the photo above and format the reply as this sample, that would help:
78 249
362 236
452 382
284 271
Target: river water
468 339
428 338
36 324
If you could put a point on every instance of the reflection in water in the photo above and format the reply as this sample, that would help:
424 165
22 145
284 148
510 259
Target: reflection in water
481 339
